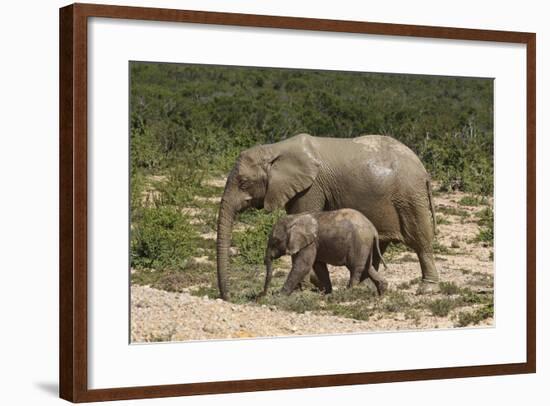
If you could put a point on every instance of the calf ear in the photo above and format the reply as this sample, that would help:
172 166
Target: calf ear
301 233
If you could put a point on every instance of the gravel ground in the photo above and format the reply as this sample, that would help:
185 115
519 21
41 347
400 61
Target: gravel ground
165 316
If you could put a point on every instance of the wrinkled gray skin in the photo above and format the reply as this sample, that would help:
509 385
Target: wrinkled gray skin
340 237
376 175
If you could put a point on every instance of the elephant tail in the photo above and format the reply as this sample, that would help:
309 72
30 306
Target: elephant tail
377 242
431 200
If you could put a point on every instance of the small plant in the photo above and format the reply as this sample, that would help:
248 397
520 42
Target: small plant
476 316
353 311
161 337
359 292
408 284
470 200
209 291
441 307
449 288
453 211
396 302
469 297
485 235
486 223
414 316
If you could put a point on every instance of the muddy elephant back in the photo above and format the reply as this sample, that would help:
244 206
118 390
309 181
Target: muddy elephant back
390 148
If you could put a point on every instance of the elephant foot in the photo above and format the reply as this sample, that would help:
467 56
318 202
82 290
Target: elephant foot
285 291
316 282
427 287
371 286
382 287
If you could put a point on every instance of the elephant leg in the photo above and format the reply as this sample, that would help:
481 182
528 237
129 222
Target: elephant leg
418 233
427 264
315 281
302 263
323 277
312 200
355 275
380 283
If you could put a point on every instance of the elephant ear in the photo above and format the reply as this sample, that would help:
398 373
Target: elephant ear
301 233
294 167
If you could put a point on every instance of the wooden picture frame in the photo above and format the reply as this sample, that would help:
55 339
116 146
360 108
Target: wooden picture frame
73 197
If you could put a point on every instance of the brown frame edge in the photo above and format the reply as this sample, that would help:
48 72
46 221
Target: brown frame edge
73 202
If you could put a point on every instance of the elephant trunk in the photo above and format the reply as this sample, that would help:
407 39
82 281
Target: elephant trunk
268 261
226 217
233 201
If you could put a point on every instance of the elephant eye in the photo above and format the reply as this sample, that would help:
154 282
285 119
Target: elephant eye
243 182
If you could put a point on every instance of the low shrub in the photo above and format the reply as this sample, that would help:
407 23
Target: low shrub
471 200
453 211
252 242
486 222
449 288
162 237
476 316
396 302
442 307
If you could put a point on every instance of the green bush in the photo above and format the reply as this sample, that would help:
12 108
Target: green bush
182 184
144 153
470 297
356 311
137 185
449 288
208 114
469 200
161 237
442 307
486 222
476 316
252 242
395 302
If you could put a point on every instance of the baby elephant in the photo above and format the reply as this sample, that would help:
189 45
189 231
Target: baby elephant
340 237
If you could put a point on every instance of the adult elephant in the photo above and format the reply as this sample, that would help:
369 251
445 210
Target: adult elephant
374 174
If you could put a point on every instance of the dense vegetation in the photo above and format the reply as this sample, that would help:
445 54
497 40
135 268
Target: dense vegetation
189 122
210 113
